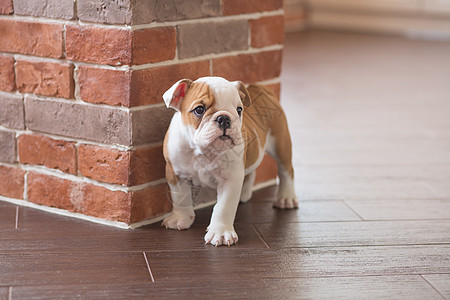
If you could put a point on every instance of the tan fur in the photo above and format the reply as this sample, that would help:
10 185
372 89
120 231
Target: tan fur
243 93
199 93
263 115
170 174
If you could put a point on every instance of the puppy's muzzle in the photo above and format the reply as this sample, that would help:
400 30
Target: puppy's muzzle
224 122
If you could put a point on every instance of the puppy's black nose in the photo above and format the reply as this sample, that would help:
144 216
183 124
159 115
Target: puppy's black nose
224 121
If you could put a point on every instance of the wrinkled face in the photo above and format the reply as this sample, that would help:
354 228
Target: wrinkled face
213 115
211 108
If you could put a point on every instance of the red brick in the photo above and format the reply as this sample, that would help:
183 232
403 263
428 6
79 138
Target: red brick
100 45
150 202
147 164
6 7
121 167
267 170
104 164
267 31
53 191
154 45
102 203
41 150
249 67
45 78
110 87
148 85
115 46
38 39
7 74
11 182
79 197
237 7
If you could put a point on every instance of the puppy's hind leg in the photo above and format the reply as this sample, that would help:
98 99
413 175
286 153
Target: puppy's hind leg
182 215
282 152
247 187
286 191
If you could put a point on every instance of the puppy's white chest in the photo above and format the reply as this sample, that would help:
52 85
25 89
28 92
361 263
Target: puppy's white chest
206 170
218 167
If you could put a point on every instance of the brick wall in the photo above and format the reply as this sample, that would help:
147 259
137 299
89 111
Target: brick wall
81 114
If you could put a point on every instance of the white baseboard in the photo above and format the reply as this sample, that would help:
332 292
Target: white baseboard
412 26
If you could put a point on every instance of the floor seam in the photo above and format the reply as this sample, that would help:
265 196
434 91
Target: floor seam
432 189
432 286
148 267
260 236
17 218
352 209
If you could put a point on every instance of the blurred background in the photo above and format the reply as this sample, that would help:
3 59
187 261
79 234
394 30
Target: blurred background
429 19
366 87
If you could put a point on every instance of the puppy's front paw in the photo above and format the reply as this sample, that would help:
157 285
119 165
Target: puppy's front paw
221 236
178 221
286 203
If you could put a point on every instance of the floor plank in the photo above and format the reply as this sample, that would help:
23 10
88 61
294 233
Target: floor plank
4 293
380 287
30 219
45 268
365 189
62 234
308 211
381 149
411 172
152 237
441 282
300 262
401 209
7 216
348 173
367 233
442 187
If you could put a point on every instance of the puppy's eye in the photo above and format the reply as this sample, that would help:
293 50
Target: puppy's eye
199 110
239 111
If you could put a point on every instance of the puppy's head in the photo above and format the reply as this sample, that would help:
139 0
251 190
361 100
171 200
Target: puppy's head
211 108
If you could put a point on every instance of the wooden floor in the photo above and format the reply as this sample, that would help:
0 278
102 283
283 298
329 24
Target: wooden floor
370 120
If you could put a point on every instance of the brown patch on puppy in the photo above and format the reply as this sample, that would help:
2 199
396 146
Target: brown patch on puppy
265 115
243 94
171 178
199 93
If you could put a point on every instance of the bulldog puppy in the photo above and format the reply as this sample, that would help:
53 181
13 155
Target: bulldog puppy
217 138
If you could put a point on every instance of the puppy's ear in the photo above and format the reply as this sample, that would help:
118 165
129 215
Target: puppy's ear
173 96
243 93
